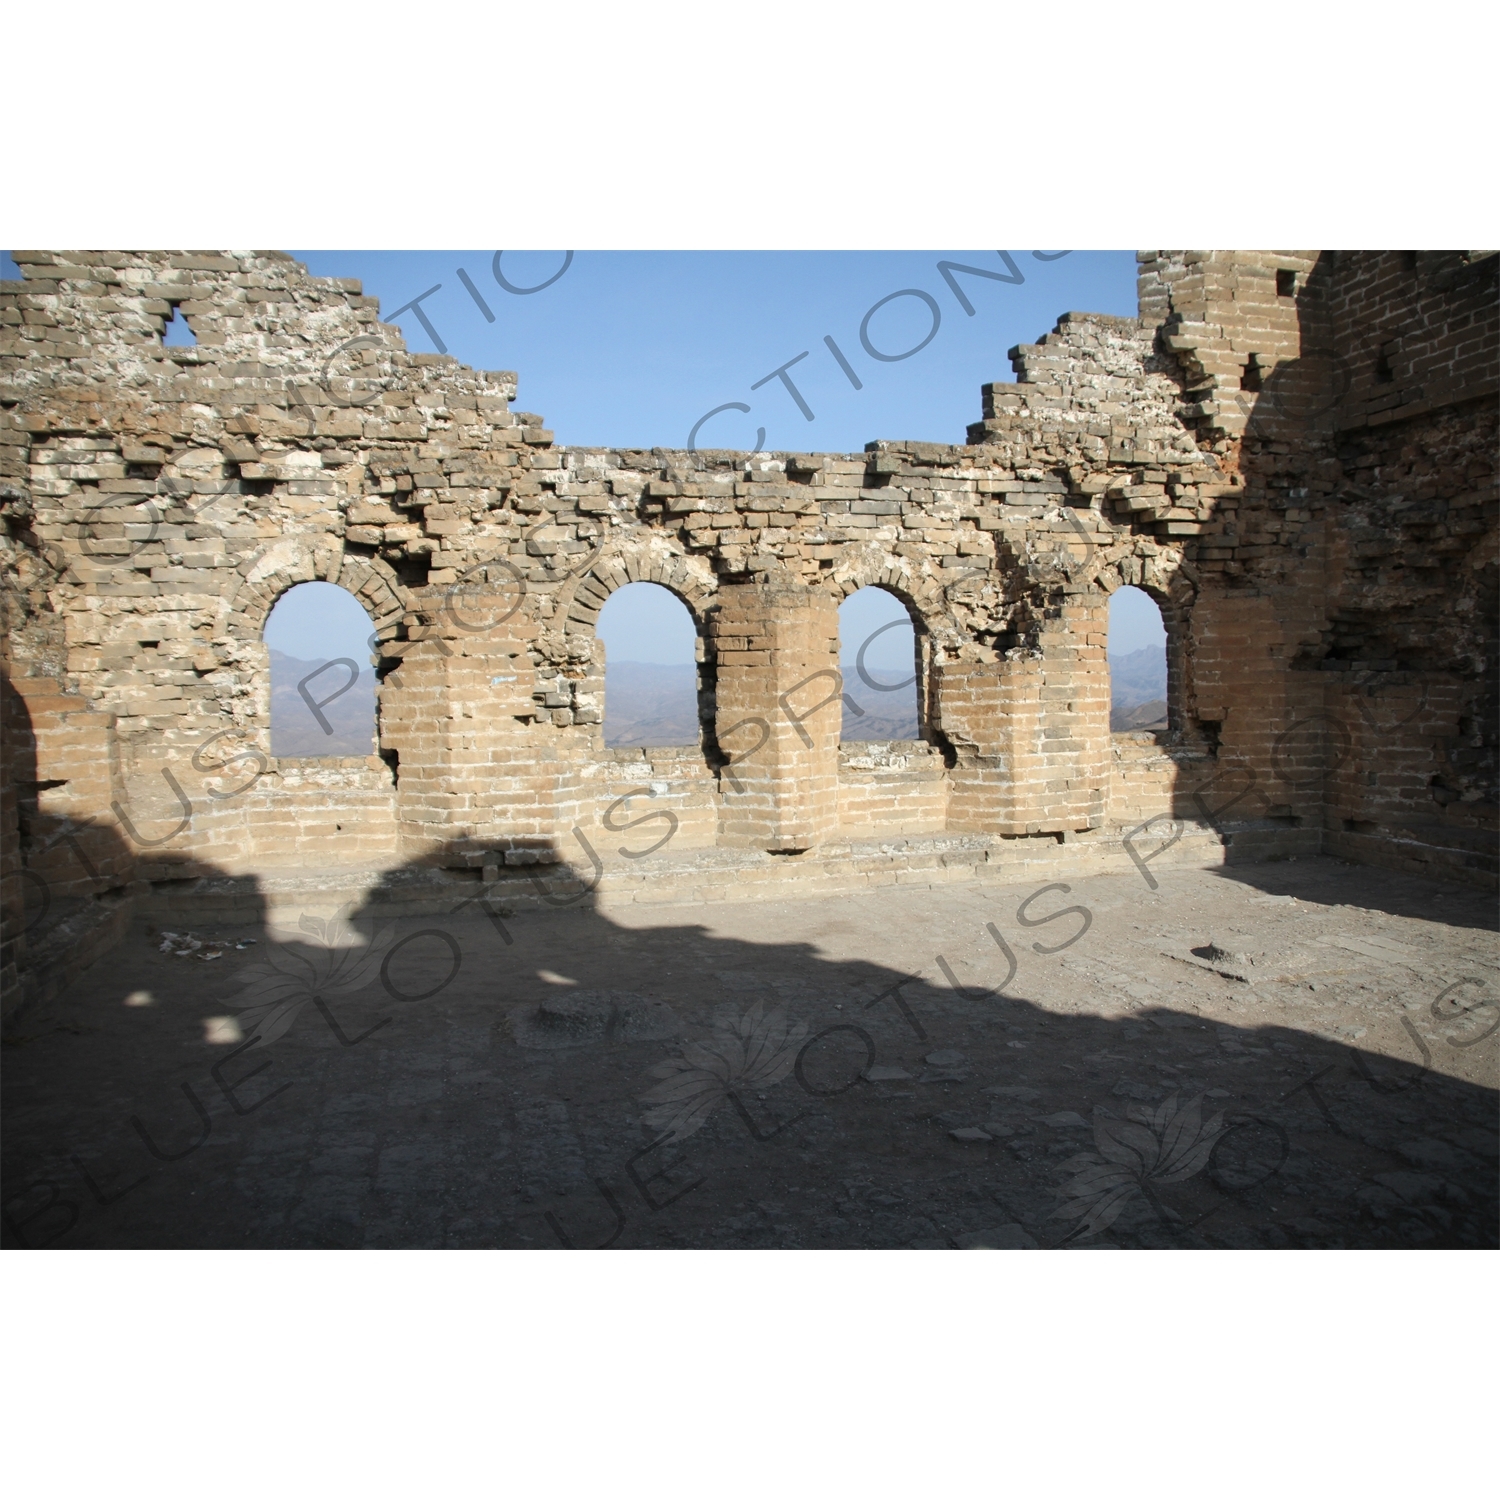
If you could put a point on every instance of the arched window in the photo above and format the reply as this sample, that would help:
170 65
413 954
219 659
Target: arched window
1137 662
650 668
878 659
322 682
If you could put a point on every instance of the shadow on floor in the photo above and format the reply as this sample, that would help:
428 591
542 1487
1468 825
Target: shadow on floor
565 1078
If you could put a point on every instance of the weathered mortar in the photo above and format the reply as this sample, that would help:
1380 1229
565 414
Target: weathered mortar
1292 452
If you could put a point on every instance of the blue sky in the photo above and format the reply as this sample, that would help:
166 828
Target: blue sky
1134 622
320 622
644 622
631 348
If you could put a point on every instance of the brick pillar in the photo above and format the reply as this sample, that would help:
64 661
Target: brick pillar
485 771
779 714
1032 733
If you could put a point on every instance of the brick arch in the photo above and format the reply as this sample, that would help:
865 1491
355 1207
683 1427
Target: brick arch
1171 590
374 583
1169 587
693 589
673 572
292 561
922 597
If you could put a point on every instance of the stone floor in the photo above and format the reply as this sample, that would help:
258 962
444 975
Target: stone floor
1292 1054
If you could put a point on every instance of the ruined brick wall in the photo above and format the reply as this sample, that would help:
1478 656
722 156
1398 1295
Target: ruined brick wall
1308 537
1413 586
1344 634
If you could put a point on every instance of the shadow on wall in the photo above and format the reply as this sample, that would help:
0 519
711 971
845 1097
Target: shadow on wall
1401 364
559 1079
65 879
1360 723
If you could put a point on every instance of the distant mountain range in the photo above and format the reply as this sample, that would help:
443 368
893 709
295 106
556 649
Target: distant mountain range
1138 689
295 729
893 716
649 704
646 703
1151 715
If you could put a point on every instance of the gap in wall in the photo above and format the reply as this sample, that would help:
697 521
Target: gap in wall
1137 662
322 679
650 668
880 688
